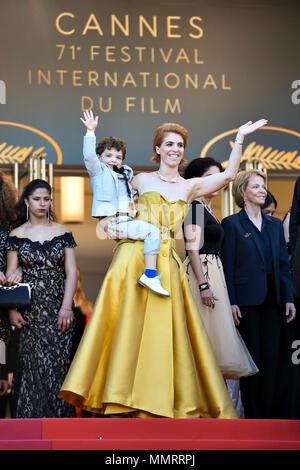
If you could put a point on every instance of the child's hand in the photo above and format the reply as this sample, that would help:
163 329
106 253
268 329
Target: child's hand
89 121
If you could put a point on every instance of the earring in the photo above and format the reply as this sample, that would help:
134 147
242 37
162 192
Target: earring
27 212
50 209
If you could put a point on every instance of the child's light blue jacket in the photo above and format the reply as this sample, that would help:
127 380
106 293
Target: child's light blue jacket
104 181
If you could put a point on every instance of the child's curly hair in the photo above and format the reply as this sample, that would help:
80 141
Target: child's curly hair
111 142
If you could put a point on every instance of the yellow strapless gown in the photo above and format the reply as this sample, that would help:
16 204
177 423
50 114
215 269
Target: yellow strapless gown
141 352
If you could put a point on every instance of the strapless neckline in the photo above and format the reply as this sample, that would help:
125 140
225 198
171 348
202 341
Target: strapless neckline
165 199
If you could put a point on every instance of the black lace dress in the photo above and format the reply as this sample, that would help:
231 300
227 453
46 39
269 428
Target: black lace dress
4 323
45 353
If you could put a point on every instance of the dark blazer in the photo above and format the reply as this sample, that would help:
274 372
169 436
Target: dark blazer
295 217
243 261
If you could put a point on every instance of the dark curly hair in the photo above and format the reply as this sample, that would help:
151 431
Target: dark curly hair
29 189
198 167
269 199
8 199
111 142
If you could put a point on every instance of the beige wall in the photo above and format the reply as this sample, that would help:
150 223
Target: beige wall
94 255
282 190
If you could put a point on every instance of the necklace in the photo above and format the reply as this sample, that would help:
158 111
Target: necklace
168 180
207 207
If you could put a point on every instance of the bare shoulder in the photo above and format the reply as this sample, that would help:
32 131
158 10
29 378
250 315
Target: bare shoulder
147 174
18 231
139 179
59 229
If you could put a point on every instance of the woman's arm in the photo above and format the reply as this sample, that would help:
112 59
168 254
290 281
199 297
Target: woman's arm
14 272
15 317
211 183
137 181
3 385
65 316
193 237
12 262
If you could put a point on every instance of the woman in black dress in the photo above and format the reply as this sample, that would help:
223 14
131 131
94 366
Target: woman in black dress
206 278
45 252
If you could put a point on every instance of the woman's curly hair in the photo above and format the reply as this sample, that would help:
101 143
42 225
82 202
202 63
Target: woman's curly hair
8 199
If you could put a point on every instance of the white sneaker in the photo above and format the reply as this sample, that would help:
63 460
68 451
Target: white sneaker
153 283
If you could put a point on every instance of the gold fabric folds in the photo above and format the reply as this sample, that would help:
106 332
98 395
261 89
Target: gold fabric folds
142 352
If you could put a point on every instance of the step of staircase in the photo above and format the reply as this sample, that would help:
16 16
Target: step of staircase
148 434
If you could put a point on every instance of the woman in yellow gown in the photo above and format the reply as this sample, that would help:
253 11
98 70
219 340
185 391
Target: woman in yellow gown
142 353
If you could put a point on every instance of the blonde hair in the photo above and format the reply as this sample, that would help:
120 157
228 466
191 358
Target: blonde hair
159 135
241 182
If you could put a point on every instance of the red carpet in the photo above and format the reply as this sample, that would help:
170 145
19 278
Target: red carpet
22 434
149 434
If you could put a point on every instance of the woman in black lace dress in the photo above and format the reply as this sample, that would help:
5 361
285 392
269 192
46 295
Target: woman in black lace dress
45 252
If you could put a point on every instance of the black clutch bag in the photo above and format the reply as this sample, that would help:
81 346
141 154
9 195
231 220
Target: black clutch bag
17 296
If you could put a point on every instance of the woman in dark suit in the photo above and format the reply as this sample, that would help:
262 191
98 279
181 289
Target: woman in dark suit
256 267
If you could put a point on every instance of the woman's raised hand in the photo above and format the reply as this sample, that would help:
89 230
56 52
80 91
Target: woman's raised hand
89 120
250 127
